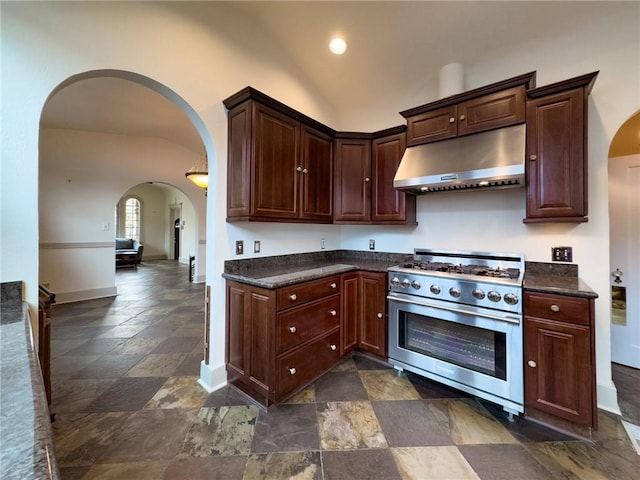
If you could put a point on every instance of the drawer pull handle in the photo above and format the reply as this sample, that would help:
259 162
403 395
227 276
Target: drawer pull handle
533 157
462 117
293 329
293 297
292 371
532 364
367 180
298 169
451 120
380 315
333 347
333 285
333 313
554 308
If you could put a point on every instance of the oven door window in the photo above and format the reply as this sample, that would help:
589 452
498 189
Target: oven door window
470 347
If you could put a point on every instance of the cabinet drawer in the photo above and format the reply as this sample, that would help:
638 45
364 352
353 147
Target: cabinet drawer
301 366
557 307
299 324
306 292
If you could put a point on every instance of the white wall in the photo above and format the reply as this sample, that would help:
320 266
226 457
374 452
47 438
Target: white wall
204 57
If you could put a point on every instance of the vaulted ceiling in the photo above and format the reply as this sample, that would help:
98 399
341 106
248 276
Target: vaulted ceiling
392 45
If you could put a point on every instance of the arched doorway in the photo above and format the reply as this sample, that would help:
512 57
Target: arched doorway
624 257
102 132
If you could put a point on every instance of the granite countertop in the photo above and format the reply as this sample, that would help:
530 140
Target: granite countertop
562 279
282 270
25 428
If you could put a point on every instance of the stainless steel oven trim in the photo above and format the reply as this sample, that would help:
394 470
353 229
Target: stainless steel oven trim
458 308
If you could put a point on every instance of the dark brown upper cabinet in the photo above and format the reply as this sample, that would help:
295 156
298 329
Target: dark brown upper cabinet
556 160
280 162
365 167
497 105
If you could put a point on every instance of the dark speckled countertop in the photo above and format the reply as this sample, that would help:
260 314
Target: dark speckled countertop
282 270
25 428
555 278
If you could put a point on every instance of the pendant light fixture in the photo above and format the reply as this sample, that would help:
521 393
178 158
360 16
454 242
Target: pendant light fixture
199 173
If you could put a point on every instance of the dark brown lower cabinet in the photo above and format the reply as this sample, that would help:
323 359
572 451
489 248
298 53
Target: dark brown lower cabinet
372 336
364 317
559 357
278 341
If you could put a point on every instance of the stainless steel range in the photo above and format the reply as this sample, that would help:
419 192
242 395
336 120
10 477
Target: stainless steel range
456 318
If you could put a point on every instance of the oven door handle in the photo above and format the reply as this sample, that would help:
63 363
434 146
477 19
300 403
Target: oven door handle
505 318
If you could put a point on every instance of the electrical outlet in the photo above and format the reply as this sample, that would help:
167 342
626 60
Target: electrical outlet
372 244
256 246
239 247
323 243
562 254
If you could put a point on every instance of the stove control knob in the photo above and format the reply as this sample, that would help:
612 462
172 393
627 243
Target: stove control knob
435 289
455 292
478 293
405 283
395 281
494 296
511 298
416 284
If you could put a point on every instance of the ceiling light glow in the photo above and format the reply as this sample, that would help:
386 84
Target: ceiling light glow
338 46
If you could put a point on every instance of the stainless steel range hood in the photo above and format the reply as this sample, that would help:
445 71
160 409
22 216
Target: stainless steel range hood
493 159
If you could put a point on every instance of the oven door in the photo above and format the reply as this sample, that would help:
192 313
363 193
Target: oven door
473 349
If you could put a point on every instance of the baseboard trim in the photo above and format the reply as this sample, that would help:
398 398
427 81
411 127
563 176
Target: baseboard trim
608 398
80 295
212 379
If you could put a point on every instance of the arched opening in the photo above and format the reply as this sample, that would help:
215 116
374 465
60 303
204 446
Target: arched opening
101 132
624 258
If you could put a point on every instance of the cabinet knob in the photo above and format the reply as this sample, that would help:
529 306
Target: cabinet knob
532 364
298 169
554 308
293 297
333 313
304 170
367 180
293 329
451 120
333 347
333 285
380 315
462 117
533 157
292 371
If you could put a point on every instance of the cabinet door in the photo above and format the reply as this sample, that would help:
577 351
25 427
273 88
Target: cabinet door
350 312
239 162
558 372
389 205
353 180
373 323
556 159
432 126
250 342
276 160
496 110
316 200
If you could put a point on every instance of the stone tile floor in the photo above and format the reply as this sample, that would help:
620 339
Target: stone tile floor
128 406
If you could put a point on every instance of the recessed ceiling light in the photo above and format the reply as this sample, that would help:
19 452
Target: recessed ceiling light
338 46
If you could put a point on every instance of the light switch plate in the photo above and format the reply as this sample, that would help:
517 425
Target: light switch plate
256 246
239 247
372 244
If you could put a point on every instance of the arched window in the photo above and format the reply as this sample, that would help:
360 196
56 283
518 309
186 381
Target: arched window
132 218
129 218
